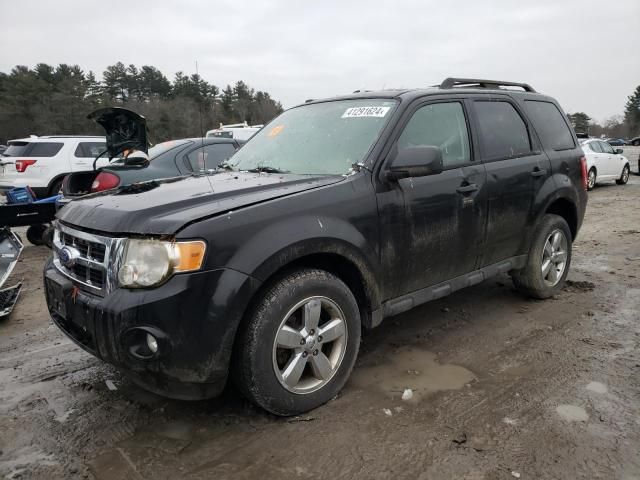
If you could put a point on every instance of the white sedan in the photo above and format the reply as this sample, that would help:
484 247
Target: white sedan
604 163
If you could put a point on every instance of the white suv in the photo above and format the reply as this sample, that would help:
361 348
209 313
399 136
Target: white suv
42 162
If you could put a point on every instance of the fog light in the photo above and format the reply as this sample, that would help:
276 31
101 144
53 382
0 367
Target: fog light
152 343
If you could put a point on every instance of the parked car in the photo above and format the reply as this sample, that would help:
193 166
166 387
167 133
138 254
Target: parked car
42 162
605 163
635 141
266 271
617 142
2 149
168 159
237 131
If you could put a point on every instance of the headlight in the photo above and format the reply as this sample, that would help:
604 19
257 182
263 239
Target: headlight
149 262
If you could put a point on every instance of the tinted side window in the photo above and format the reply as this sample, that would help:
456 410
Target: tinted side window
606 148
90 149
503 133
44 149
550 125
442 125
595 146
210 156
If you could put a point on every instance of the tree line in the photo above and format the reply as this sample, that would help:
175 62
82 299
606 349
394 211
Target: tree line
619 126
55 100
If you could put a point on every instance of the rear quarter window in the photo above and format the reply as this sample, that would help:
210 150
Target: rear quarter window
550 125
43 149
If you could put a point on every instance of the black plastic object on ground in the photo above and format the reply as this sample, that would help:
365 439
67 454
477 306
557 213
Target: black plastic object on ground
126 131
8 299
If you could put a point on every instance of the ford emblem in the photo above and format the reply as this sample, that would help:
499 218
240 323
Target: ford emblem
68 256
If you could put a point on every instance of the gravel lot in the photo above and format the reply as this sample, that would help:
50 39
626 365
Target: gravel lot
504 387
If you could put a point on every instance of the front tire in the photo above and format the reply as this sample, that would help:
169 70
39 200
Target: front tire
549 259
624 176
299 344
591 179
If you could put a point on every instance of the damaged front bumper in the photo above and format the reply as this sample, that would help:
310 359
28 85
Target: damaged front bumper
192 319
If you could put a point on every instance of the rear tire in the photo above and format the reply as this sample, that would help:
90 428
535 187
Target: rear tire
56 186
624 176
591 179
281 362
549 259
35 234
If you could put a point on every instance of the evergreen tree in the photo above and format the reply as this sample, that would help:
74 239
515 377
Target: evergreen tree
632 113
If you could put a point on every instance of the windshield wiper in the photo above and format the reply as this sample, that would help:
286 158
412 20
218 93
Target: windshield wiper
267 169
225 166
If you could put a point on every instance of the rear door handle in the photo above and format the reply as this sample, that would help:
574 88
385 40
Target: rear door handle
538 172
472 187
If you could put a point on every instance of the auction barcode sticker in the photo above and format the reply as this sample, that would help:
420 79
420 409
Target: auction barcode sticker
365 112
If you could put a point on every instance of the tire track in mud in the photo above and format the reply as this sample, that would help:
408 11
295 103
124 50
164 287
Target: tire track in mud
555 381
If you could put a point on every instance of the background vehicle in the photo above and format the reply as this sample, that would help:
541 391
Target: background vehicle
168 159
269 269
617 142
2 149
635 141
42 162
605 163
237 131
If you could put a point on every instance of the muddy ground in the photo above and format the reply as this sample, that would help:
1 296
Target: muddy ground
504 387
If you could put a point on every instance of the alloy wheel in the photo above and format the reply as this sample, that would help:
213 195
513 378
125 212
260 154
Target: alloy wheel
310 345
554 257
625 174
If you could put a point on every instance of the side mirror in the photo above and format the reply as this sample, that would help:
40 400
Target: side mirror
618 151
416 162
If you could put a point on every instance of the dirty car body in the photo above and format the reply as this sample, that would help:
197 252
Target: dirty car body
395 219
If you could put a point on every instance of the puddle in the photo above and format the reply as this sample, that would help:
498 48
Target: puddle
414 369
597 387
176 430
572 413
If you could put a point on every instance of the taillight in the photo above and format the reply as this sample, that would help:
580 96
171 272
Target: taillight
583 171
21 165
105 181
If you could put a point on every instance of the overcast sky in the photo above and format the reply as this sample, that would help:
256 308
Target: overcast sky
585 53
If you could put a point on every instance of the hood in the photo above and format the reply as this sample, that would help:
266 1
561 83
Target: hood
124 129
162 207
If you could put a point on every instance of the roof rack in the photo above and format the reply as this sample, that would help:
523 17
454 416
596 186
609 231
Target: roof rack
477 83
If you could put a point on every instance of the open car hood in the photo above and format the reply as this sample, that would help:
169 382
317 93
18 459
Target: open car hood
125 130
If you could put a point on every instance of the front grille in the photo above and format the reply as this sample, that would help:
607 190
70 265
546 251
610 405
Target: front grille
91 250
92 263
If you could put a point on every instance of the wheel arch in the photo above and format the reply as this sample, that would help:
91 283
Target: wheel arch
53 181
566 209
336 257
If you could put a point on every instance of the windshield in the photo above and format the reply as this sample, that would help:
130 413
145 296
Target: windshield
321 138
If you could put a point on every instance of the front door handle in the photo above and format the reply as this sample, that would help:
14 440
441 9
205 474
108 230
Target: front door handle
471 187
538 172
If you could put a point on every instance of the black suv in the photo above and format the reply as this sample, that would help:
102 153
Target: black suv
337 214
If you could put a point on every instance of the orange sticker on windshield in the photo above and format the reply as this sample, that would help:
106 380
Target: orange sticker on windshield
275 131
